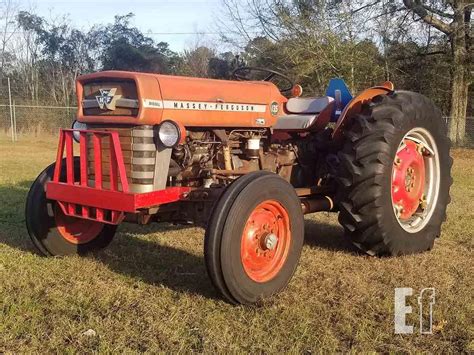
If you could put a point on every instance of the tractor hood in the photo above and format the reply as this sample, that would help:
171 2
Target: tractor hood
117 97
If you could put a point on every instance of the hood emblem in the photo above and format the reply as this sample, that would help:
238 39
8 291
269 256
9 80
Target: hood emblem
107 99
274 108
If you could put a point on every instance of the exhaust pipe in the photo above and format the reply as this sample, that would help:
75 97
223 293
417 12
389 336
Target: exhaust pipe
319 204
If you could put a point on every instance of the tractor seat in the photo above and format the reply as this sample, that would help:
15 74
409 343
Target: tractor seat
303 112
308 105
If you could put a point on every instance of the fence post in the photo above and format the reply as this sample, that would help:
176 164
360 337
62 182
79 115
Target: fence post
14 122
11 107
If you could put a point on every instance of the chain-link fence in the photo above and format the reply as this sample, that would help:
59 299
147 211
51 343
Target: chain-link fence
34 119
28 118
21 113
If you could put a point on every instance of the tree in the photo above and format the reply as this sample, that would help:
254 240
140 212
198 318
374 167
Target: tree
311 41
55 54
453 18
222 66
124 47
27 54
8 27
48 55
195 62
411 66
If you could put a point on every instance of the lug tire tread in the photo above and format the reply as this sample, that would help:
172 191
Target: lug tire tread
367 152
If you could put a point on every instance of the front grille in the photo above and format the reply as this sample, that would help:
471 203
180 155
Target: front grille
124 97
139 155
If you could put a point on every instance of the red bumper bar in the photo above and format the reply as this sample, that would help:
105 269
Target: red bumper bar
78 199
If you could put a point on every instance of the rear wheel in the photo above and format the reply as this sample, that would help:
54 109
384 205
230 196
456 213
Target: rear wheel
254 239
395 175
55 233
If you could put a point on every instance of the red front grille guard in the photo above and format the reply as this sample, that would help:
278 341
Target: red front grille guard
77 199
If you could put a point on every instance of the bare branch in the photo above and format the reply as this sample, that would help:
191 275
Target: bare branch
438 12
365 6
399 58
418 8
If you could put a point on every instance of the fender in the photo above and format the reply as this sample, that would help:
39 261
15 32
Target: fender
355 106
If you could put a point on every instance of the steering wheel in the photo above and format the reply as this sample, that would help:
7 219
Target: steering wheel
285 84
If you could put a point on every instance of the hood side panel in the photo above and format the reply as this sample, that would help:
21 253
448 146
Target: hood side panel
190 101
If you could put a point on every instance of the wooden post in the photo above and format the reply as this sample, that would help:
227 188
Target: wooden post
11 107
14 122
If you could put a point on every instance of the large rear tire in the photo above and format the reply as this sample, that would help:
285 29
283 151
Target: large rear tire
254 239
395 175
55 234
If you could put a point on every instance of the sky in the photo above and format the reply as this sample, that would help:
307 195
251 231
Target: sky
170 21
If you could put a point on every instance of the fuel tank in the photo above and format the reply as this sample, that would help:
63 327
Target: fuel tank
147 99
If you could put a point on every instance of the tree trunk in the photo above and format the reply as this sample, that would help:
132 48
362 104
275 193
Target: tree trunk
459 93
460 80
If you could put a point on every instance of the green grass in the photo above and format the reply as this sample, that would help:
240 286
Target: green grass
149 290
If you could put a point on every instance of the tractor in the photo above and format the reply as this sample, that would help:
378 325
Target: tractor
245 159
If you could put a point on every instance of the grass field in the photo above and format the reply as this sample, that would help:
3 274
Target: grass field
149 290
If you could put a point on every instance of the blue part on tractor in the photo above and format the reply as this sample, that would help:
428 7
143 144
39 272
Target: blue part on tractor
338 90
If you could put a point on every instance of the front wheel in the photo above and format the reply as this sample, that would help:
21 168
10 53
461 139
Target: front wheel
54 233
395 175
254 239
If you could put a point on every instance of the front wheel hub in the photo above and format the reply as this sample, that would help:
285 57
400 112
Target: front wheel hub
270 241
266 241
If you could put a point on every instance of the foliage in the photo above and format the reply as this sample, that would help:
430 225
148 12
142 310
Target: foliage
55 55
421 45
195 62
48 56
124 47
453 19
363 41
221 66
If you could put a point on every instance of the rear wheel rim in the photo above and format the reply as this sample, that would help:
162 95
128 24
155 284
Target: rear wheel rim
265 242
415 180
76 230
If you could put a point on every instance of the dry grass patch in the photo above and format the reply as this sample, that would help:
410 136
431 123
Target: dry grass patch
149 290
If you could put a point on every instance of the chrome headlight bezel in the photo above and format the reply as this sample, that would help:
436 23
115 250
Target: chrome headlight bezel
169 134
80 126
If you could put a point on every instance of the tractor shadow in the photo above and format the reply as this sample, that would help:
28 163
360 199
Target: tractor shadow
129 253
13 231
134 255
329 236
156 263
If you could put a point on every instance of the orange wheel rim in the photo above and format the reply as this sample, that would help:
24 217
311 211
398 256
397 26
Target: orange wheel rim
266 241
76 230
408 179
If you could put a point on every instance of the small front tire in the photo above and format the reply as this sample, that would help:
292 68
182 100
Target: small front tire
254 239
55 234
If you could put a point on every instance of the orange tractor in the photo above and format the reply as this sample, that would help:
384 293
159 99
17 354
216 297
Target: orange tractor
245 159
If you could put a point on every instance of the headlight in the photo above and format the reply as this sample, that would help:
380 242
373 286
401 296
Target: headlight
77 125
169 134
